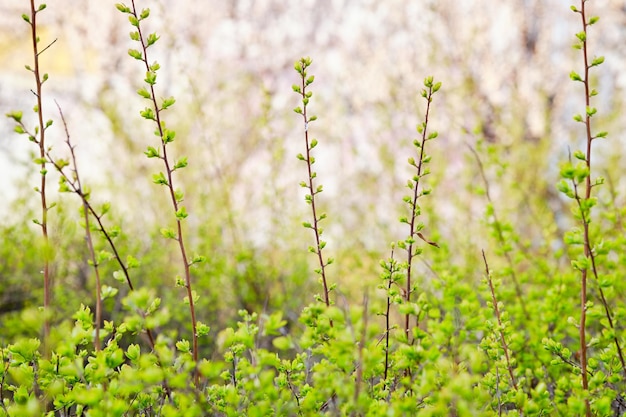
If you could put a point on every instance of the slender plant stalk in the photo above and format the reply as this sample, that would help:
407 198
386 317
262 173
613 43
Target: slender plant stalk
585 222
391 269
496 309
589 253
500 235
585 202
40 131
414 227
361 345
301 67
78 189
166 136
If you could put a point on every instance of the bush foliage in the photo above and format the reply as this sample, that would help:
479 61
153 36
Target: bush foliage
97 321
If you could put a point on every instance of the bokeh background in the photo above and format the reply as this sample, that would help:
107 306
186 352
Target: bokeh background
506 95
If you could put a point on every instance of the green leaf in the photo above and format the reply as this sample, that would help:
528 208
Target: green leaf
148 114
108 292
150 77
575 76
581 263
194 296
574 237
597 61
179 195
103 256
167 102
145 13
135 54
152 152
181 163
152 39
181 213
282 343
144 93
198 259
154 306
132 262
168 233
104 209
183 346
24 351
122 8
168 136
119 276
159 179
564 187
133 352
114 231
202 329
15 115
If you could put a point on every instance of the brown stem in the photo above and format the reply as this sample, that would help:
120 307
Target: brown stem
500 234
496 309
47 286
175 205
585 221
414 214
311 175
78 189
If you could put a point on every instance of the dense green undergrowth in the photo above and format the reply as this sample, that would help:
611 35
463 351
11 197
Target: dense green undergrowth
530 327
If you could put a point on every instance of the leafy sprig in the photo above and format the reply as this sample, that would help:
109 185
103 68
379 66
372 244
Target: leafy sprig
153 112
313 190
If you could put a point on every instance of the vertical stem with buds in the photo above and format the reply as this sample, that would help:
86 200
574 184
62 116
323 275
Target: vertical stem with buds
40 139
414 183
301 67
154 113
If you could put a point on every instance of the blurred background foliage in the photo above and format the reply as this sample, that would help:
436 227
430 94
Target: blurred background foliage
503 115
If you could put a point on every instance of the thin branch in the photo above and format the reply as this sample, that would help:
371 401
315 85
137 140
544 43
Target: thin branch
496 309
